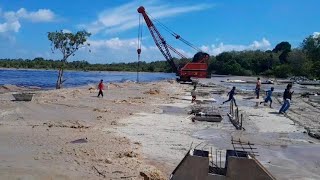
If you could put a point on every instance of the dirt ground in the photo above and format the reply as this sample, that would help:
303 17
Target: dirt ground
140 130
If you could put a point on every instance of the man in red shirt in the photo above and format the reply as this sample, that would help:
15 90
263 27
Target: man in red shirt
100 87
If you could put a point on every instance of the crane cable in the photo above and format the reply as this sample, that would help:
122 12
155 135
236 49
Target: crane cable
177 36
139 46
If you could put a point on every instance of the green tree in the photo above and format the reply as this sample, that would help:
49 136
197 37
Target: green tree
284 48
299 63
67 44
311 47
282 71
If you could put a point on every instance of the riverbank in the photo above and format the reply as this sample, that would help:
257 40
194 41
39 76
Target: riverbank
139 129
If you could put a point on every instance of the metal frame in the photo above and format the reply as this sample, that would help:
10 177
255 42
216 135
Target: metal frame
247 147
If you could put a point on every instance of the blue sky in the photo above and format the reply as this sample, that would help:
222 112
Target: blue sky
212 25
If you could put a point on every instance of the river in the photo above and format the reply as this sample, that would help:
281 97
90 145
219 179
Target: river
47 78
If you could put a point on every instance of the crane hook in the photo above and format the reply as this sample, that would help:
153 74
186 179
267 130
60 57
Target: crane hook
139 51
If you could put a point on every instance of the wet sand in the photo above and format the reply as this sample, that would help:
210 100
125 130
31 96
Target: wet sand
143 128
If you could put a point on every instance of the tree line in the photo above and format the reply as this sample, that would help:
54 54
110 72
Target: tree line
41 63
281 61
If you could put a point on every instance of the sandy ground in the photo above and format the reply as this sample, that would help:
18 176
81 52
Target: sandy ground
72 134
144 129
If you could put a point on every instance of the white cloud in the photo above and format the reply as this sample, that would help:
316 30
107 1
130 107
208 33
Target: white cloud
66 31
264 44
10 26
316 34
125 17
12 19
114 44
42 15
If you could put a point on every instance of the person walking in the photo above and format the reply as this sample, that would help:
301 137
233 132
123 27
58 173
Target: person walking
194 94
258 86
268 98
231 96
287 95
100 87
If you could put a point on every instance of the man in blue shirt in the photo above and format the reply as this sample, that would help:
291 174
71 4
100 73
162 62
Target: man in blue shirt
268 98
287 95
231 96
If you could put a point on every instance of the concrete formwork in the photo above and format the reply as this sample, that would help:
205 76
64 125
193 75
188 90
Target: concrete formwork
246 169
239 165
193 166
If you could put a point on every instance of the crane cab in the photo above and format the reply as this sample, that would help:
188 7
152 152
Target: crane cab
198 68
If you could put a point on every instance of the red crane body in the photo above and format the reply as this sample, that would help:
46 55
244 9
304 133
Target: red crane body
197 68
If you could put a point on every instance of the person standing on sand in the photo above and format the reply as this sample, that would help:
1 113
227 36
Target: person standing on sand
194 94
268 98
258 86
231 96
100 87
287 95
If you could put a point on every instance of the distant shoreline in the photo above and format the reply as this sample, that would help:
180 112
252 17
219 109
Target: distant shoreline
72 70
26 69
